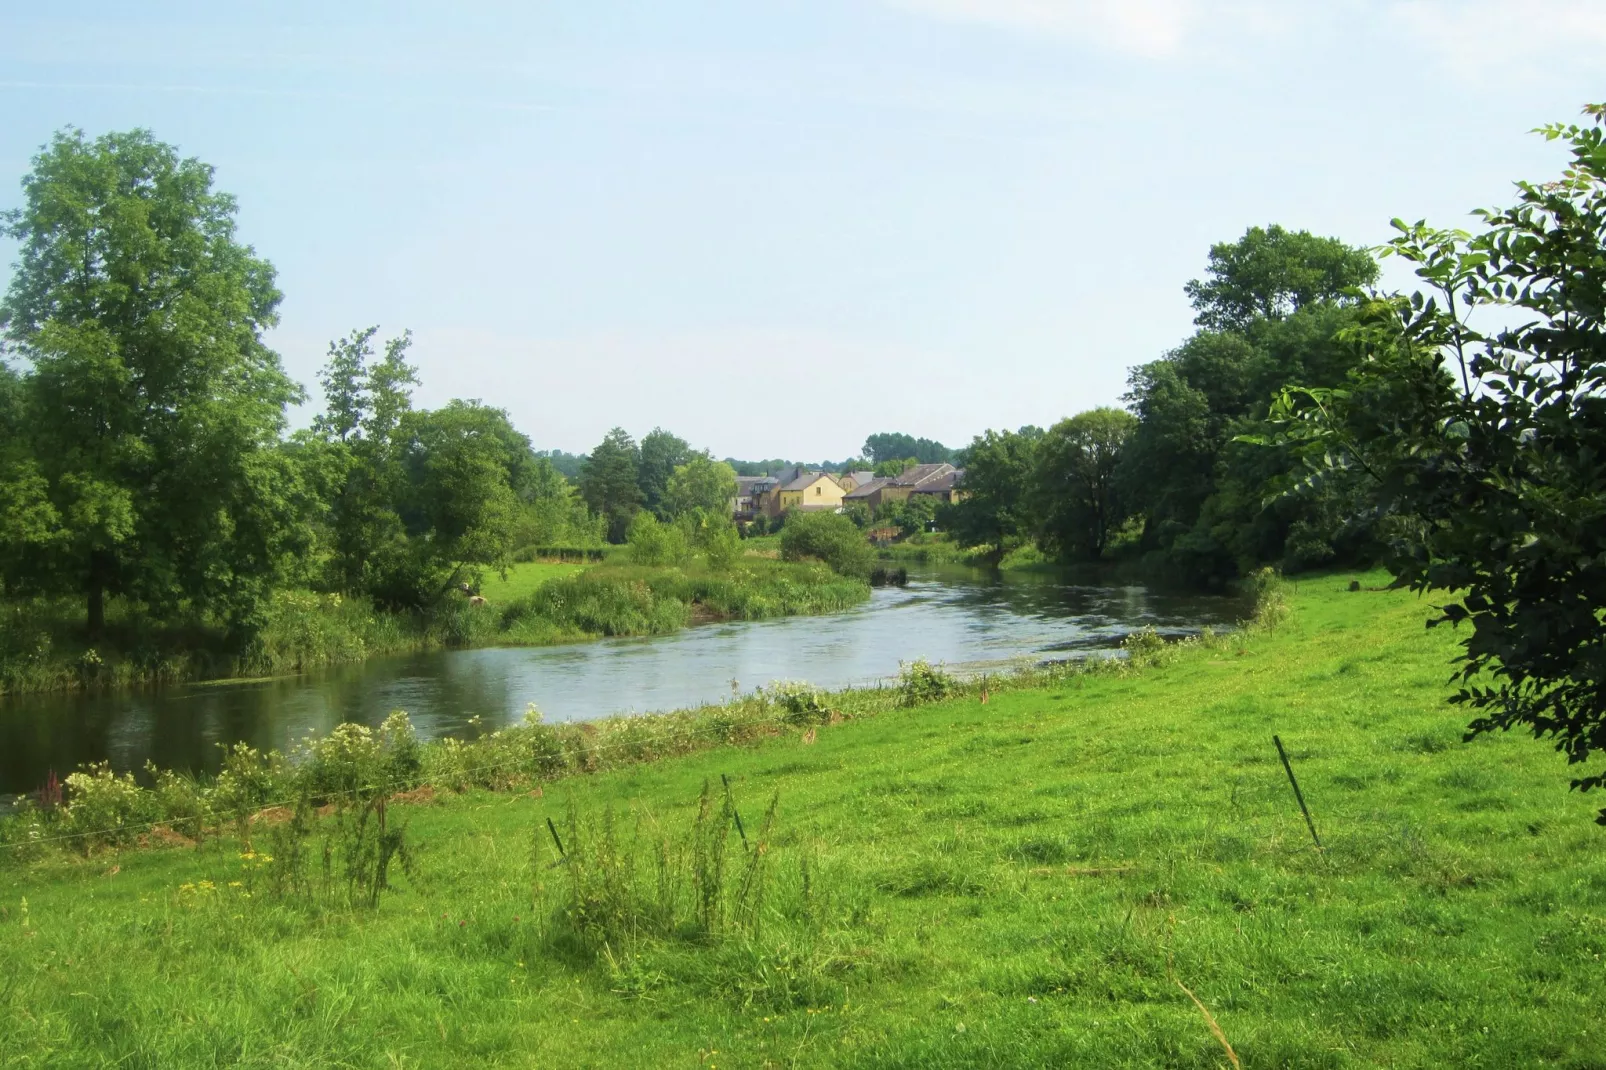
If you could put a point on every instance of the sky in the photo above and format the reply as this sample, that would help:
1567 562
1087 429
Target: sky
775 227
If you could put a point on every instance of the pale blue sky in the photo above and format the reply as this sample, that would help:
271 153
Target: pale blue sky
775 226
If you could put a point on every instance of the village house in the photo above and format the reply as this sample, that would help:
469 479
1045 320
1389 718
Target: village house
939 480
809 491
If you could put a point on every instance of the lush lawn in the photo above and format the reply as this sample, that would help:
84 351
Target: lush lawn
523 579
1008 884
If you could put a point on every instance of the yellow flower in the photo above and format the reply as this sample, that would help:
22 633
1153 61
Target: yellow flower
236 884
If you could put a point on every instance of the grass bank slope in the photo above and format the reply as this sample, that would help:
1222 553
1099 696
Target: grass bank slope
1021 882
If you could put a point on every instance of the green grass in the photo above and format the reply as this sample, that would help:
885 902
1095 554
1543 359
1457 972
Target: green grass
524 579
1004 884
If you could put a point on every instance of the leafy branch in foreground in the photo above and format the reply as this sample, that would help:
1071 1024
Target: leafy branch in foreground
1488 449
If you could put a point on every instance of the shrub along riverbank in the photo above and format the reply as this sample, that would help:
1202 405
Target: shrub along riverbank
1021 873
42 646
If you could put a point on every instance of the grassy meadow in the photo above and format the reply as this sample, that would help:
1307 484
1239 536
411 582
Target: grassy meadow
1024 876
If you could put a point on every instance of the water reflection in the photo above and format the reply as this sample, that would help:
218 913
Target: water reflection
966 618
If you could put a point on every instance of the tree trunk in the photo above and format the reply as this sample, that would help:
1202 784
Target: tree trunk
97 609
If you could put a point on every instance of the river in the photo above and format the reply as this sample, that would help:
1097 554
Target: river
972 620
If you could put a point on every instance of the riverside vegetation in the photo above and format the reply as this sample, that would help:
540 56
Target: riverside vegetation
537 604
1012 871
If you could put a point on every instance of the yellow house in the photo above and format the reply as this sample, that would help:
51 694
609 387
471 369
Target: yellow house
807 490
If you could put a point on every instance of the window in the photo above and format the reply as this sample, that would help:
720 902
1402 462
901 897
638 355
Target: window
819 490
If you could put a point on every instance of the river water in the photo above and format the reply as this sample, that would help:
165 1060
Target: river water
969 619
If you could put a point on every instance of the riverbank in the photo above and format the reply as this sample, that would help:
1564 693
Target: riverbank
1023 878
42 646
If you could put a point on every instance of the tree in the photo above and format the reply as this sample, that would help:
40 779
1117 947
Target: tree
661 453
464 461
895 467
909 515
154 406
362 467
1212 509
828 537
702 483
997 507
1081 503
1486 448
894 446
609 482
1270 273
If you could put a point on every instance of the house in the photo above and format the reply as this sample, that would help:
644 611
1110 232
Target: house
866 493
940 477
750 491
852 481
809 491
944 487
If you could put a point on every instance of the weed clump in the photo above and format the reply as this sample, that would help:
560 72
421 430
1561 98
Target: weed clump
920 683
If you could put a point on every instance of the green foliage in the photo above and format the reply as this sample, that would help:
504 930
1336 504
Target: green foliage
998 507
921 683
661 455
1081 504
702 484
1275 312
609 482
887 446
655 543
896 466
1485 447
1271 273
354 762
104 808
828 537
152 405
911 515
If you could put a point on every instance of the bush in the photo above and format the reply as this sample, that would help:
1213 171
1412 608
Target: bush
354 762
802 703
828 537
653 543
248 781
104 808
921 682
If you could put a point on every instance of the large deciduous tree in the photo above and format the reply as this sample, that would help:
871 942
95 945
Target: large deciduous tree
997 507
701 484
1081 503
660 454
152 405
609 482
1271 273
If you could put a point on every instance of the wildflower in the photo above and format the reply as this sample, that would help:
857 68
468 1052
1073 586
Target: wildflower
236 884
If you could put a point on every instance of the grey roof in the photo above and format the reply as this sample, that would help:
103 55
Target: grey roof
913 477
867 489
941 483
805 479
860 478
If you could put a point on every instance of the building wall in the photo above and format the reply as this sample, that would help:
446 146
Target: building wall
823 492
